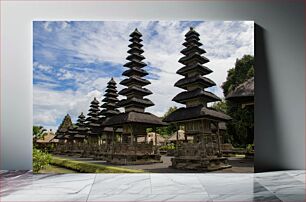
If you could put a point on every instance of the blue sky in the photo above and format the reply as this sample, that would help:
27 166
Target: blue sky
73 60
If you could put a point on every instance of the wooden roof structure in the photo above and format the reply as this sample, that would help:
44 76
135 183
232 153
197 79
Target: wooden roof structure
93 118
110 100
82 129
195 97
63 128
134 105
244 93
48 137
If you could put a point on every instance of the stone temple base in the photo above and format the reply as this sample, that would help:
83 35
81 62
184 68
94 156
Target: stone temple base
200 164
133 159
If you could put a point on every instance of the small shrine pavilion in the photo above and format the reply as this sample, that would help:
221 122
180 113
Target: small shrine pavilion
204 153
134 120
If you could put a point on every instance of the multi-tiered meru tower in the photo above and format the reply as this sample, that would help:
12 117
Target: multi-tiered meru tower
204 153
62 131
134 121
82 129
109 109
93 121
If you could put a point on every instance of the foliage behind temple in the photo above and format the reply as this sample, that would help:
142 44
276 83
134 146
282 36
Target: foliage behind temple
240 128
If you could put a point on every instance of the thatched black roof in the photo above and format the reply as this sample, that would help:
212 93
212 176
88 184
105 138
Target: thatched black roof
194 57
243 93
63 128
136 90
133 71
191 49
110 100
135 80
198 79
183 114
133 117
196 67
191 32
135 34
135 101
196 93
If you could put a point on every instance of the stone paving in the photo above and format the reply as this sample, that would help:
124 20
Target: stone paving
287 186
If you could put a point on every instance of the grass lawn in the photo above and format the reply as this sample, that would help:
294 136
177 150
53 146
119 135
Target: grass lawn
56 169
85 167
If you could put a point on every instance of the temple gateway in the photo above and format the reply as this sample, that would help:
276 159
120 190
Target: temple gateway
204 153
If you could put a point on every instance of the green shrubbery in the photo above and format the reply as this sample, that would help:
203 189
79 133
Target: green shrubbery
250 148
168 147
84 167
40 160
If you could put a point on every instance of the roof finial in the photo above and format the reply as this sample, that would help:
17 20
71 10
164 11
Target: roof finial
191 28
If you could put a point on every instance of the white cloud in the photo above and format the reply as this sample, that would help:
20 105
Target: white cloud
223 41
45 68
47 26
49 106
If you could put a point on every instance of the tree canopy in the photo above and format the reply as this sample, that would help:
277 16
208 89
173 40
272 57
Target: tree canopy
166 130
38 132
240 128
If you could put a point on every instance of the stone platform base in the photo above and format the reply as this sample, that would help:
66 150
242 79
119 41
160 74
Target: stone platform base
133 159
200 164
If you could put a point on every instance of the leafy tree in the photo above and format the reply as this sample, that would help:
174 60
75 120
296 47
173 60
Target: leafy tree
220 106
38 132
243 70
170 110
240 128
166 130
40 160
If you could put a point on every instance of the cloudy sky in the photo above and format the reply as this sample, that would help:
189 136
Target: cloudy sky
73 60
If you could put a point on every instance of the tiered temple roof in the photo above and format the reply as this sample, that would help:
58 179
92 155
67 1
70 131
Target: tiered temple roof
82 129
93 119
135 90
195 97
71 132
110 100
64 127
244 93
135 103
110 104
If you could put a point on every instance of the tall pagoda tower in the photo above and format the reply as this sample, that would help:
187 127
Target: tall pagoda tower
93 120
82 129
110 100
109 108
134 121
196 118
63 128
135 90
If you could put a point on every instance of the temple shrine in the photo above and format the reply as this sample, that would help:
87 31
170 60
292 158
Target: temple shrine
196 118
